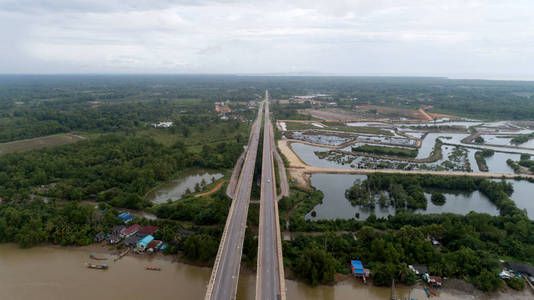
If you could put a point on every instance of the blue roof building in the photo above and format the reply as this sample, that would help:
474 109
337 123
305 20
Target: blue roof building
143 243
357 267
358 270
126 217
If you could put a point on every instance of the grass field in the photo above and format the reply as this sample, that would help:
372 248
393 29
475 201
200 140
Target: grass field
224 131
40 142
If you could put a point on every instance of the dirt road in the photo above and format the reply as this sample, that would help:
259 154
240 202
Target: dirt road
310 170
213 190
425 115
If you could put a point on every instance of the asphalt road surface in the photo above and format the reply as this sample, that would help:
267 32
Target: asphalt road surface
225 273
269 283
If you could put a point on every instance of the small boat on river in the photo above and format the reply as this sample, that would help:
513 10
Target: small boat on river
427 291
97 266
153 268
92 256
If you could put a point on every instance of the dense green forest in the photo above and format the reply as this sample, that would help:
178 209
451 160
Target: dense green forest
32 223
58 103
470 245
114 168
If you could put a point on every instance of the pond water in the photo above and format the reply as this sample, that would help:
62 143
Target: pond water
472 160
335 205
332 140
54 273
523 195
307 155
506 141
175 188
427 146
497 162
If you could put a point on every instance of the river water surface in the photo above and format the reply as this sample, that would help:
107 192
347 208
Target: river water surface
59 273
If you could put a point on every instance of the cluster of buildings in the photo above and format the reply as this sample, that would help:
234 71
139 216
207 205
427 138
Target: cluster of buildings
162 124
223 107
422 271
306 99
225 112
135 236
519 270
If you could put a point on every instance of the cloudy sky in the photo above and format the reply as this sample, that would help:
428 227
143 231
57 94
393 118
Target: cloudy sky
403 37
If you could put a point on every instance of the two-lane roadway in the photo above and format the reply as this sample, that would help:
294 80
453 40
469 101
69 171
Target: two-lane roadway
270 274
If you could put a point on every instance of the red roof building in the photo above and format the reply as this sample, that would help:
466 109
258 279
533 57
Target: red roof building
131 230
153 246
146 230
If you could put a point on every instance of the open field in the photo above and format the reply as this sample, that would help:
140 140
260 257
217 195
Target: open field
197 137
40 142
373 112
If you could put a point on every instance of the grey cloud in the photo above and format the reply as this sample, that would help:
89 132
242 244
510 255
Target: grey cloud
94 6
256 36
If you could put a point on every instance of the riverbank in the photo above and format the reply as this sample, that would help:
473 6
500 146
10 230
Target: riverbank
55 272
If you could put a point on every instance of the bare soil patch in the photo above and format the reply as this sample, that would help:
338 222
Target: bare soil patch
40 142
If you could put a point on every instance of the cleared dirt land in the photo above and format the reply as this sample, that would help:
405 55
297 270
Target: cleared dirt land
372 112
40 142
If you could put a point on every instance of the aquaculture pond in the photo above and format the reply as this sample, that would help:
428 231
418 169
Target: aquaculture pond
331 140
176 188
456 156
307 154
335 205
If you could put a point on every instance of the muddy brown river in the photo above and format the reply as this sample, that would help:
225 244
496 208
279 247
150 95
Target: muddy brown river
59 273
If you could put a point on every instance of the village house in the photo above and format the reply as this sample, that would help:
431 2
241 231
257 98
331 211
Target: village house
147 230
130 231
143 243
99 237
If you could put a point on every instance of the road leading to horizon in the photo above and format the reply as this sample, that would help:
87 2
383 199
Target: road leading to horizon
225 273
270 272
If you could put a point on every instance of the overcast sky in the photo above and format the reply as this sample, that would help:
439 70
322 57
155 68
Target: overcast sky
405 37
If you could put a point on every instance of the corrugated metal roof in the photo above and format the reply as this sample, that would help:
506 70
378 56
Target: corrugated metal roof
132 229
357 267
356 264
144 242
148 229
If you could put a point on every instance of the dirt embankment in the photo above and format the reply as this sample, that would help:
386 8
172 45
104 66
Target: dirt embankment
213 190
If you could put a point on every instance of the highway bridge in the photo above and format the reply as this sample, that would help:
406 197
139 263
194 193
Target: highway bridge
270 272
270 276
225 273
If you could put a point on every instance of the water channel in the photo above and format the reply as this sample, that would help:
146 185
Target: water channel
175 188
59 273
